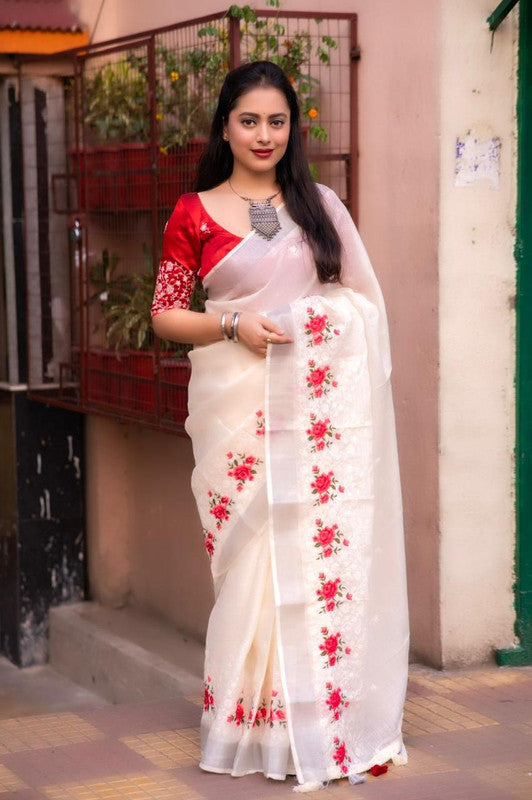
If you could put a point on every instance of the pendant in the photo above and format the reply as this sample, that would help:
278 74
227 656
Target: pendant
264 219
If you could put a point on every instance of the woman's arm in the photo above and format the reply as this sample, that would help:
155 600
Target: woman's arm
194 327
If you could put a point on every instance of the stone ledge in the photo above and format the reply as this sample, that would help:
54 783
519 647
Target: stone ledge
124 655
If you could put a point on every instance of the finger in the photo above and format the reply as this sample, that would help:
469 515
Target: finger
278 339
272 328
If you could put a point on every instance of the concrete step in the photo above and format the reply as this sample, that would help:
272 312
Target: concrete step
124 655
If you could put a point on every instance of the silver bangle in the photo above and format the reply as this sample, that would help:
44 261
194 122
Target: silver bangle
234 326
222 327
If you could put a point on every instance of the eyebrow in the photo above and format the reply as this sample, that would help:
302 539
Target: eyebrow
257 116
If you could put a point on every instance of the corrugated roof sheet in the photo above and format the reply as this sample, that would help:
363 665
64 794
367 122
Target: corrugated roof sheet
40 15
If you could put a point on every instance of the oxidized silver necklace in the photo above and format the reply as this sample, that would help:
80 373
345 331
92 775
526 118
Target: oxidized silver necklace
262 214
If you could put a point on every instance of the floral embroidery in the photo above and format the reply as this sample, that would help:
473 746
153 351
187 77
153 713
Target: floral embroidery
329 539
219 507
242 468
340 755
204 228
336 701
325 485
209 540
321 432
173 287
208 696
319 380
238 716
258 716
260 423
264 716
332 647
331 593
318 328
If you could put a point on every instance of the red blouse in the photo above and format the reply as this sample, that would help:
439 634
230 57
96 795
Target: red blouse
193 243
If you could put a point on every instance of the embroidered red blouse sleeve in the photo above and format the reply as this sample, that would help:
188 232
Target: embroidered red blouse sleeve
180 260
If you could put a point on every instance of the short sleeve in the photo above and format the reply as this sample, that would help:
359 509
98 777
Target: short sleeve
180 259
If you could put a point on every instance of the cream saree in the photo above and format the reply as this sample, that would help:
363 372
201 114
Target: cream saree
297 486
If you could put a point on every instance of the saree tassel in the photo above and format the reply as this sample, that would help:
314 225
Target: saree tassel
401 758
309 786
357 778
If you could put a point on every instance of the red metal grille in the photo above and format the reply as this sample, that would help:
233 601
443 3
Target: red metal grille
136 114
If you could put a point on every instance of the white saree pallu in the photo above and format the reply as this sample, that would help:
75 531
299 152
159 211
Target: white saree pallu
297 486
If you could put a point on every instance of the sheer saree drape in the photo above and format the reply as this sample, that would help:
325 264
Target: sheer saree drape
297 486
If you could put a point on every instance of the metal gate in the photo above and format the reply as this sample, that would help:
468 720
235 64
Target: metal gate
137 112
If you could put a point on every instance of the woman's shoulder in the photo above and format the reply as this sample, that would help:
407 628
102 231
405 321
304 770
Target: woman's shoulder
332 202
328 193
189 200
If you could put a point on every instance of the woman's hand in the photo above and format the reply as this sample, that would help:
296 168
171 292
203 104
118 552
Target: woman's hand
257 331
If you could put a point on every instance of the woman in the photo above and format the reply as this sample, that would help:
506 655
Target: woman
296 476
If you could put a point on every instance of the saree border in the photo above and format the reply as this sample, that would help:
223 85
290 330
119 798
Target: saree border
295 660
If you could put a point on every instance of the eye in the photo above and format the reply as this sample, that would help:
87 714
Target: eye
246 121
278 123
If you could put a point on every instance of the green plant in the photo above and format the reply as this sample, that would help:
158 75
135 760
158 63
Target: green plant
115 107
125 303
187 82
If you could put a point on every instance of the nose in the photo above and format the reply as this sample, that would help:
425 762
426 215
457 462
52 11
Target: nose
263 132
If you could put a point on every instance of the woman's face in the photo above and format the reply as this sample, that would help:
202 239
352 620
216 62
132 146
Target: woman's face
258 129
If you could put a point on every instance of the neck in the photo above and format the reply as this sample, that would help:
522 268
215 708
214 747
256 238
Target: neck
253 184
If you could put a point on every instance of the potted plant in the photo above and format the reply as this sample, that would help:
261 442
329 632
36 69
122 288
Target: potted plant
115 166
123 371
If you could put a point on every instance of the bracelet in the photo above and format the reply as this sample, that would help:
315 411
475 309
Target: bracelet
222 327
234 326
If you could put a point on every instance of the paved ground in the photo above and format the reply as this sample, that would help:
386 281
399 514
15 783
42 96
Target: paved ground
469 737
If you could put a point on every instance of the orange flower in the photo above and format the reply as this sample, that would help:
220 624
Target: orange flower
312 113
292 79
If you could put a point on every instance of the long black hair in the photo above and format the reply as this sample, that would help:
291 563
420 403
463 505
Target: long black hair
301 195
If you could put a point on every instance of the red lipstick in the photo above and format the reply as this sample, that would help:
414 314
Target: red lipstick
262 153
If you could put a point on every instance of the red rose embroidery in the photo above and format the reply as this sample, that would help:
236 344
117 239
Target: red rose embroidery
242 468
326 536
319 380
317 376
332 647
318 328
317 324
219 512
260 429
328 540
331 593
209 541
324 485
219 507
322 482
336 701
268 714
208 695
340 755
242 473
321 433
238 716
331 643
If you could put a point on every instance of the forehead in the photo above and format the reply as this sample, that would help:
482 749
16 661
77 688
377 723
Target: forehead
262 100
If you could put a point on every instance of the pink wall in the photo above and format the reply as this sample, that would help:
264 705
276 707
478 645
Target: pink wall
145 540
159 560
399 190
